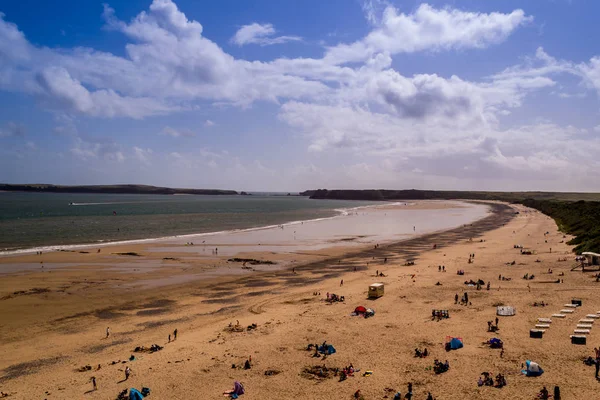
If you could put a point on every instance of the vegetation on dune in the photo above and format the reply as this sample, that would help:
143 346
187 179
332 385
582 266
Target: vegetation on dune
579 218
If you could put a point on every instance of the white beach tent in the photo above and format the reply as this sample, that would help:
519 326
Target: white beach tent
506 311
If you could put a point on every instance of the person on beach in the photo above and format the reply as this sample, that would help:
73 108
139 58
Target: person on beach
409 394
342 282
127 373
95 386
175 334
169 338
107 332
496 322
456 298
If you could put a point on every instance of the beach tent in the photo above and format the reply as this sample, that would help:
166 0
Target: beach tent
496 343
532 369
135 395
360 310
327 349
453 343
506 311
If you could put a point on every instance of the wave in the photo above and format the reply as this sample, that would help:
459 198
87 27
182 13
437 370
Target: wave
111 202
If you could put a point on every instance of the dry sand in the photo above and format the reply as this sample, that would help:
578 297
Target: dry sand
56 322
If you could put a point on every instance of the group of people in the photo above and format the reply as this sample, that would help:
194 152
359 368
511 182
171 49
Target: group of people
332 298
486 380
439 314
545 395
408 395
440 367
421 354
441 268
464 299
346 372
491 326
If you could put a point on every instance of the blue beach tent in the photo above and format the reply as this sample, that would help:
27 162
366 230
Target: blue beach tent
532 369
135 395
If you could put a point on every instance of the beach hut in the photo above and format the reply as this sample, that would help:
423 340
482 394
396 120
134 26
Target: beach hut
375 290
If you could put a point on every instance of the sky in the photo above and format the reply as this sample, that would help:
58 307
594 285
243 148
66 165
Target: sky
302 94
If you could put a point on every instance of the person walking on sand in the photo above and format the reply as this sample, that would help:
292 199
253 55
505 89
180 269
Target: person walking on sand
107 332
456 298
127 373
409 394
169 338
342 282
496 322
175 334
94 383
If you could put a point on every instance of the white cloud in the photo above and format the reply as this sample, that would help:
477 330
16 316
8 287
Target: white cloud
142 155
97 148
351 103
168 131
261 34
12 129
432 29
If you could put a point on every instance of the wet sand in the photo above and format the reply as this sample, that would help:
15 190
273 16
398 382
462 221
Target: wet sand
54 322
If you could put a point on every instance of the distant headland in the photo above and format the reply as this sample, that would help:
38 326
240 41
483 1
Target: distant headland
112 189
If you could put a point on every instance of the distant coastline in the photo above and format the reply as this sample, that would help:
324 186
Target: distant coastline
110 189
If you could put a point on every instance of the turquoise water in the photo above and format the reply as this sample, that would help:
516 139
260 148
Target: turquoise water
30 220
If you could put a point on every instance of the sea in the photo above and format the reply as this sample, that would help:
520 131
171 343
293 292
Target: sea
54 220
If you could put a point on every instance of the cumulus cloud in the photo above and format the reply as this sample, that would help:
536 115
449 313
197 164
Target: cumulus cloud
430 29
97 148
261 34
352 101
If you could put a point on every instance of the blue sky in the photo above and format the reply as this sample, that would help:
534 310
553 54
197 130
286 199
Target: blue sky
286 96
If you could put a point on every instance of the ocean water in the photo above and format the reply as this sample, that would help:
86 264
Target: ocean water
29 220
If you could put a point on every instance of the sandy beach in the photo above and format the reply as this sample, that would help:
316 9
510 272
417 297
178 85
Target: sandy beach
54 319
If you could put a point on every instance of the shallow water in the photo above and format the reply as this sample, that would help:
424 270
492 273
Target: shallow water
29 220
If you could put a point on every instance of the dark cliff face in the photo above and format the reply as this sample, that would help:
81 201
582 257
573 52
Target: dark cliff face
112 189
